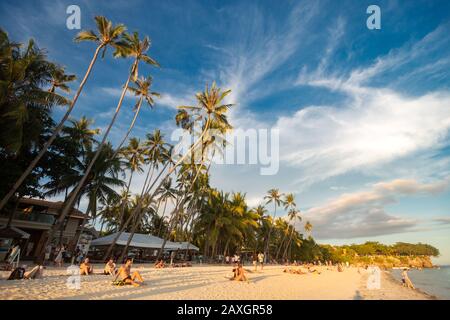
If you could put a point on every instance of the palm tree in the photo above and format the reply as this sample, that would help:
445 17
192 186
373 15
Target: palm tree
81 133
289 204
60 79
308 228
99 186
166 193
134 154
131 47
273 196
156 152
108 35
293 215
142 90
24 106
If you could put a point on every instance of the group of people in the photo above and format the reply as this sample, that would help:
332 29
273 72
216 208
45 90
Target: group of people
161 264
258 259
122 275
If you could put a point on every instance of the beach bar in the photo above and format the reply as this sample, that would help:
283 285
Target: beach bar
143 247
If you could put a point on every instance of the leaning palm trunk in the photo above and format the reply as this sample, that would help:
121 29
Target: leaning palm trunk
171 170
179 208
189 235
280 246
130 128
130 218
289 243
124 201
267 249
58 129
68 205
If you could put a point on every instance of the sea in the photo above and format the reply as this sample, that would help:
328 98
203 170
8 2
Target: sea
432 281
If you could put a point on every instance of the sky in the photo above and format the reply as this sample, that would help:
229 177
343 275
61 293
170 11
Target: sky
363 115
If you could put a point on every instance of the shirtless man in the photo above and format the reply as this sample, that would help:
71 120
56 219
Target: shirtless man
125 275
86 268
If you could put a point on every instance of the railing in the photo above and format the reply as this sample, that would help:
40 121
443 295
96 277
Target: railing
33 217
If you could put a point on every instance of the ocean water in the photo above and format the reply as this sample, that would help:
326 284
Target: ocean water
432 281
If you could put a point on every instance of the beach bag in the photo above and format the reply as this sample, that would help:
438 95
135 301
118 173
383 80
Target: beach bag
17 274
118 283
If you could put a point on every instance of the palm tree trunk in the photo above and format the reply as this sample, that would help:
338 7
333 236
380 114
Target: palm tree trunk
130 128
108 252
280 246
71 201
57 130
162 217
289 243
124 201
267 250
12 214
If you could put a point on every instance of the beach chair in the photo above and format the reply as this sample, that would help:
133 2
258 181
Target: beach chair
14 258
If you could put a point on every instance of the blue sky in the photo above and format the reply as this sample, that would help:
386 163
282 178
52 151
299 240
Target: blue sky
364 115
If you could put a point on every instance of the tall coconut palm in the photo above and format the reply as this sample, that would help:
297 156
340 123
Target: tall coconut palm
60 79
134 154
157 151
81 133
308 228
108 35
141 90
131 47
289 204
166 193
293 215
273 196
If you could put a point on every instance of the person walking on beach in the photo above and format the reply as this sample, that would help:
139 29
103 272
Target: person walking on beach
261 259
255 260
406 281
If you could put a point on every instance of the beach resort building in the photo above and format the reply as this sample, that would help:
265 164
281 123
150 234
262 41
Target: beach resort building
142 247
32 221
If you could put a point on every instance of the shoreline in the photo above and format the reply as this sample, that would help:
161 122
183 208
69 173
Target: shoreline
392 289
208 282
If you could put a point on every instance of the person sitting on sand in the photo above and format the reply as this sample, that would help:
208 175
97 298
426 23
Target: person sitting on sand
125 274
36 273
406 281
339 267
86 268
313 270
159 264
239 273
110 268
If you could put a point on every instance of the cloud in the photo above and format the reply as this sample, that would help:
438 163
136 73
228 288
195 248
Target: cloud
260 46
173 101
363 214
442 220
373 126
373 130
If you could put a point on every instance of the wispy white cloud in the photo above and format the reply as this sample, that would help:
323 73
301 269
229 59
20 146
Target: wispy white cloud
377 127
363 213
261 47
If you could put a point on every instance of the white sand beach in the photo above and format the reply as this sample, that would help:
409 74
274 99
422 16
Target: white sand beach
209 282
